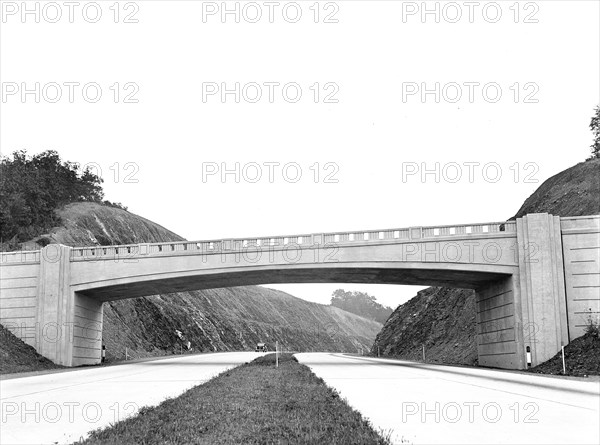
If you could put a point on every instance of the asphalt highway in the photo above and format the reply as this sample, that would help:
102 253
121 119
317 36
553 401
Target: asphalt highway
61 407
412 403
431 404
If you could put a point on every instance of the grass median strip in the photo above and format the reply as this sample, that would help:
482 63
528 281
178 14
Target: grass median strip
253 403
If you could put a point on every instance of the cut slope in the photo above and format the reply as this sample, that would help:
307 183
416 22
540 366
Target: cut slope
230 319
88 223
582 357
17 356
444 319
440 319
572 192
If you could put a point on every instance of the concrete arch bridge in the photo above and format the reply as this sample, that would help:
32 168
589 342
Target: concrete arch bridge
537 279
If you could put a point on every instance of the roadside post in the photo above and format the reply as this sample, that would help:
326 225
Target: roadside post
562 348
276 355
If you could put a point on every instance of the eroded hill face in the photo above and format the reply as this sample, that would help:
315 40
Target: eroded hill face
443 319
573 192
88 224
18 356
228 320
211 320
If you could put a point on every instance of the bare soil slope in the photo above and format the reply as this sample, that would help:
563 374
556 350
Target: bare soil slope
17 356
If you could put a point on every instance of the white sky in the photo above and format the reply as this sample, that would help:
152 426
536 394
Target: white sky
371 55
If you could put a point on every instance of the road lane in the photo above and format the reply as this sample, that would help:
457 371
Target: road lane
419 403
62 407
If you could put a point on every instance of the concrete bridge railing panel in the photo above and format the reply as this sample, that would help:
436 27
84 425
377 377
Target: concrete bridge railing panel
581 256
19 295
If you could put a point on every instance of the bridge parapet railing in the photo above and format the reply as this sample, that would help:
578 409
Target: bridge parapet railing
467 229
306 240
419 232
22 256
266 242
369 235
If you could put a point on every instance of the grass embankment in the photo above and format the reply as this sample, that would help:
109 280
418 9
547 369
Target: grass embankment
254 403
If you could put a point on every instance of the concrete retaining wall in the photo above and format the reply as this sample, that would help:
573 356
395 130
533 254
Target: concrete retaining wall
496 326
87 333
581 253
18 298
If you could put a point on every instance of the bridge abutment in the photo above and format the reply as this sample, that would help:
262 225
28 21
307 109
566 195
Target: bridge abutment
499 325
69 324
541 303
55 305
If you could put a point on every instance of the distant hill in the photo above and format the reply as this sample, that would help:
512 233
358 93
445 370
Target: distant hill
443 319
212 320
362 304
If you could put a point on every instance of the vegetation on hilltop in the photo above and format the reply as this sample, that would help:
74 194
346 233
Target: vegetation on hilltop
32 188
595 127
362 304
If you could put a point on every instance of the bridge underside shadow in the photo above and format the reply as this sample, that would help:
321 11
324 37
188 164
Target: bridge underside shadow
362 275
498 337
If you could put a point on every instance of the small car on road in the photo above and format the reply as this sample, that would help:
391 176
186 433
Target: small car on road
261 347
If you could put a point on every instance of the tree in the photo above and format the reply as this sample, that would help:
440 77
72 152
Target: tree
595 127
33 187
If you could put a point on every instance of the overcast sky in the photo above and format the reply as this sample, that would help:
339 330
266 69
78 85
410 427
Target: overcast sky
326 118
